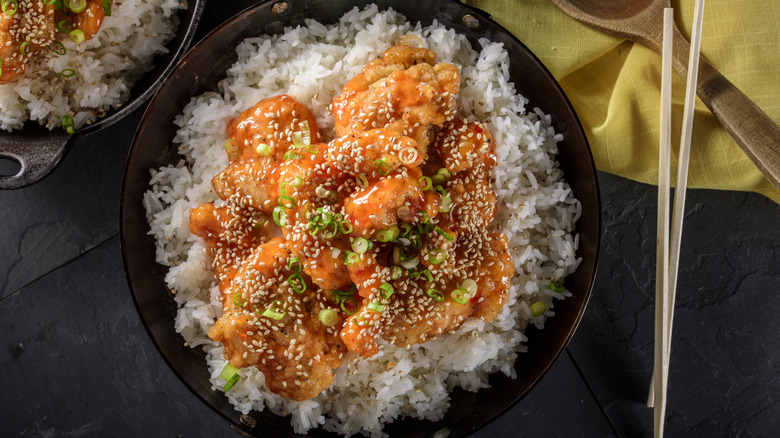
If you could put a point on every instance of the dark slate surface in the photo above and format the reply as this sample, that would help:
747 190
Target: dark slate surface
76 360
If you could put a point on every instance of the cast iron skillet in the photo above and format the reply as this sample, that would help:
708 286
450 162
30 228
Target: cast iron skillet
39 150
205 65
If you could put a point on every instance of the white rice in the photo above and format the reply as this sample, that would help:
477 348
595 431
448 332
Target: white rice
106 68
537 213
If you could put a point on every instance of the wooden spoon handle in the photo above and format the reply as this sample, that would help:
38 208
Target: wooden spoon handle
751 128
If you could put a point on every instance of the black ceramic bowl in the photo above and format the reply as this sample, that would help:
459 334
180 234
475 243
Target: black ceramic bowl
205 65
38 150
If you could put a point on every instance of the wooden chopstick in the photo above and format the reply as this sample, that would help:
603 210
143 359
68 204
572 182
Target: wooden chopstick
665 316
662 239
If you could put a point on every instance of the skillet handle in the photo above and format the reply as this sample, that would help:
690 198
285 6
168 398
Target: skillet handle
38 153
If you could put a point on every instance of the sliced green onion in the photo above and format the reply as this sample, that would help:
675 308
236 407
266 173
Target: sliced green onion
386 290
470 286
264 150
427 274
231 147
312 149
460 296
388 234
361 245
446 235
423 216
440 189
280 216
296 283
291 155
377 307
8 5
276 312
436 256
24 48
361 321
444 172
331 230
404 229
297 181
286 201
404 212
382 166
294 264
64 26
68 72
351 257
446 204
76 5
258 220
408 155
349 310
328 317
435 294
230 375
362 181
68 124
345 227
106 7
538 308
425 183
556 287
238 299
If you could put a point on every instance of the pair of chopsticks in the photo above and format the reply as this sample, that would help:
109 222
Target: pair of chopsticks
668 248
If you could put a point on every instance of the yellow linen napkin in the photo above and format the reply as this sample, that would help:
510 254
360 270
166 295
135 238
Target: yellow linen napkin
615 85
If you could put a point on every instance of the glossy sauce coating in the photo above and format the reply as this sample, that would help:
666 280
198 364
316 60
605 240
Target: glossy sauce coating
366 226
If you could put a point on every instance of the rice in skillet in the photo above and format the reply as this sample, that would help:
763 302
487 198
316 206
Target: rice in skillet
104 68
537 212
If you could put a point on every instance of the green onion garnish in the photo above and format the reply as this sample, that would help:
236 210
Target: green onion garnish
423 216
10 7
362 181
263 150
231 147
538 308
68 124
460 296
349 309
445 234
24 48
297 181
377 307
296 283
106 7
386 290
395 272
408 155
294 264
425 183
435 294
280 216
230 375
76 5
403 212
286 201
556 287
351 257
345 227
404 229
470 286
291 155
328 317
68 72
382 166
446 204
388 234
238 299
64 26
361 245
277 312
436 256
